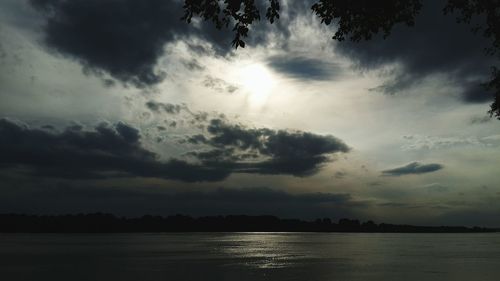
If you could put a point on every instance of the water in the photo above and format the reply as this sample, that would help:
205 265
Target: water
250 256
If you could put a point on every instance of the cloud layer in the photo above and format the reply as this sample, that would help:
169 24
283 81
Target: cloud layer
305 68
266 151
220 201
108 151
413 168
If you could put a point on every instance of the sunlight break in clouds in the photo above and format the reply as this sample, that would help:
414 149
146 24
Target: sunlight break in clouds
258 81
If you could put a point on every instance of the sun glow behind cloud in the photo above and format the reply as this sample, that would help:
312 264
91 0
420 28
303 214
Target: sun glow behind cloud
258 82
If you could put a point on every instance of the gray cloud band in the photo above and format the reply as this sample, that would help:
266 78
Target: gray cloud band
109 151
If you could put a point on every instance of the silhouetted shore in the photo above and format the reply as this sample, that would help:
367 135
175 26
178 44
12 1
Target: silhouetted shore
107 223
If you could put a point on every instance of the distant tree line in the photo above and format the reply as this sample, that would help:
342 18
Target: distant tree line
107 223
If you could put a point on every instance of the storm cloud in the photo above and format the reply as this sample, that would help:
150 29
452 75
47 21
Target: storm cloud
169 108
413 168
267 151
200 202
106 151
123 38
435 45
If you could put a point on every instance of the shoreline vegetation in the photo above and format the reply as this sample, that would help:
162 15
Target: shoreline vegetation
108 223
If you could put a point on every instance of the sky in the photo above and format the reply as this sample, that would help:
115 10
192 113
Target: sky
121 107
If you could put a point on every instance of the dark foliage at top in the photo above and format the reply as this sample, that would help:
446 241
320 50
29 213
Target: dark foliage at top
240 13
106 223
356 20
360 20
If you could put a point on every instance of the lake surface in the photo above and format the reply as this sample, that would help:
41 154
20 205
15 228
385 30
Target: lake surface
250 256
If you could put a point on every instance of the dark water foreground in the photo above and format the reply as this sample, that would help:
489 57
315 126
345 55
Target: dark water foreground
250 256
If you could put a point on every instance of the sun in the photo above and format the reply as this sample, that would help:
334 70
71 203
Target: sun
258 82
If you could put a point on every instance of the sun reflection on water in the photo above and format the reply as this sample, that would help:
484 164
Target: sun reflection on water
262 250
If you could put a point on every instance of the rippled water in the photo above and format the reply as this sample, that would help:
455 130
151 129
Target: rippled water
250 256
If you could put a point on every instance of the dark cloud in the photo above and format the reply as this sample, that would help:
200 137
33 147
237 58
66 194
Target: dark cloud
164 107
263 200
128 133
413 168
123 38
305 68
75 127
266 151
435 45
70 198
106 151
48 127
476 93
